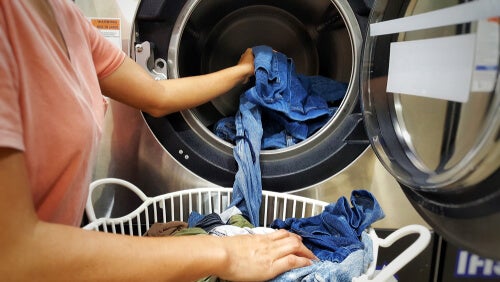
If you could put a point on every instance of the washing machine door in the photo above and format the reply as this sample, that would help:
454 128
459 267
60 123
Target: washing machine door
431 105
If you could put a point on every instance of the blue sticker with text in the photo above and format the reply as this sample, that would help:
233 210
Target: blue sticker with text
474 266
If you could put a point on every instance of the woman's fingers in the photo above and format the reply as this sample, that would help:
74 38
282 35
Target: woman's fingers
288 262
246 60
290 243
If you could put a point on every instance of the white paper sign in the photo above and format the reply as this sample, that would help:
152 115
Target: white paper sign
438 68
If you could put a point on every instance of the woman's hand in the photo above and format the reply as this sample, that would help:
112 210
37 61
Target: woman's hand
262 257
246 61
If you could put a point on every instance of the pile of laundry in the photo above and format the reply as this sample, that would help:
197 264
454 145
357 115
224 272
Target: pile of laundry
337 236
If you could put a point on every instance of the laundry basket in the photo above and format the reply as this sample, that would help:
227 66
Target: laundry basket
177 206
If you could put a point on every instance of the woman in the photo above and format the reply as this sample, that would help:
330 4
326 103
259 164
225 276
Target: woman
55 67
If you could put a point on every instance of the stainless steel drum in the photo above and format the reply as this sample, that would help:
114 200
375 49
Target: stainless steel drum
323 38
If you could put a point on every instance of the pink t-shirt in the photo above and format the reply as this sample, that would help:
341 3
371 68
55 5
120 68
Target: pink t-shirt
51 106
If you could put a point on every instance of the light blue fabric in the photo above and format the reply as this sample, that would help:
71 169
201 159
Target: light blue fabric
334 234
225 128
354 265
247 187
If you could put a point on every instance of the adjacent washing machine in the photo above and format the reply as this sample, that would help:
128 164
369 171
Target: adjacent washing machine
418 126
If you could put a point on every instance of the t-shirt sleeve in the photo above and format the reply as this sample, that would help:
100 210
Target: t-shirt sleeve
107 56
11 129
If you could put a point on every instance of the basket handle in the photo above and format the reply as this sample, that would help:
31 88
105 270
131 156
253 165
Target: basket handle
89 207
402 259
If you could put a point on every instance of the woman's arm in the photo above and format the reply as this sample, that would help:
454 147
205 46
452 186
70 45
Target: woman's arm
132 85
31 249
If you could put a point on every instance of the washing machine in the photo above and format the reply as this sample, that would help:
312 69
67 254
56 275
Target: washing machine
418 126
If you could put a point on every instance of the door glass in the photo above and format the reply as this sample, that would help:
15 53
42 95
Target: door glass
430 93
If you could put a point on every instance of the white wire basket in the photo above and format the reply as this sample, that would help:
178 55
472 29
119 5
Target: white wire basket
177 206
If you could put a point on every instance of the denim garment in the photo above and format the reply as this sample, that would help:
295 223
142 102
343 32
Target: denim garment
247 187
278 140
194 218
277 132
327 89
333 234
225 129
277 87
354 265
294 106
296 129
209 222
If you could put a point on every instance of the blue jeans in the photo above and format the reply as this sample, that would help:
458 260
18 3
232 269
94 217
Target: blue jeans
278 88
327 89
334 234
293 106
